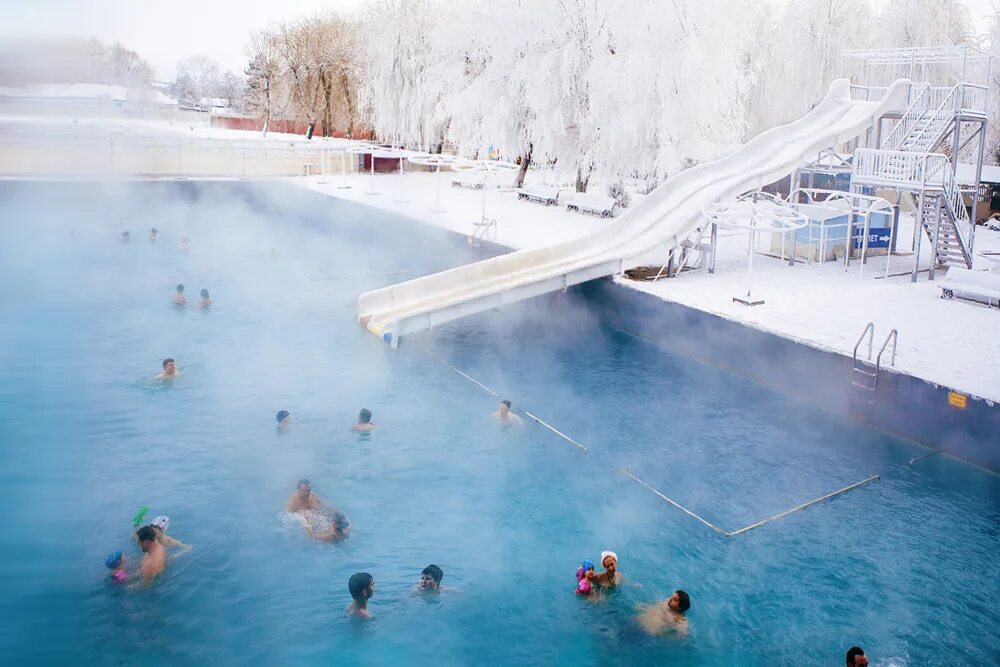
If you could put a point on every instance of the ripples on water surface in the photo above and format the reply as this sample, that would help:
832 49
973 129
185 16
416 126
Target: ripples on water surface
906 567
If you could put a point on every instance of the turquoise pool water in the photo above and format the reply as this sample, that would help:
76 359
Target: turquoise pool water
906 567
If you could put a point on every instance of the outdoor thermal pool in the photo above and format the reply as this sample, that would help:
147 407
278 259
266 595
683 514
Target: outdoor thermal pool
905 567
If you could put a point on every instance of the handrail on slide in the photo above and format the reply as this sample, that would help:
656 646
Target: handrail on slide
660 222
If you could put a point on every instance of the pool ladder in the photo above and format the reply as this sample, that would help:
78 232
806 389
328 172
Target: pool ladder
864 374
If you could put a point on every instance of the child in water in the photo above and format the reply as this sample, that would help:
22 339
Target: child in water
116 563
206 301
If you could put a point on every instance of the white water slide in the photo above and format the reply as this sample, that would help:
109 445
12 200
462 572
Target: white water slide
667 216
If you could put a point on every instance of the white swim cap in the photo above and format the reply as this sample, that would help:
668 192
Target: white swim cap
162 522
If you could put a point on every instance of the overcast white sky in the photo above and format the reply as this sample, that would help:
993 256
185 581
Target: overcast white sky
165 31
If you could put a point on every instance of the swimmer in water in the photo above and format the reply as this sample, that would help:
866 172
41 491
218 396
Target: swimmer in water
126 236
430 580
206 301
160 525
361 587
303 499
336 526
284 420
667 615
611 577
365 423
856 657
505 416
185 244
178 299
116 563
152 235
154 559
169 370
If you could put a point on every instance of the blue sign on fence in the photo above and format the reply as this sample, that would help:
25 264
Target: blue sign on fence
878 237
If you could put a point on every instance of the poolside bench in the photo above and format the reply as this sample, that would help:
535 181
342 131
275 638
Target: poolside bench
583 202
979 286
542 194
470 180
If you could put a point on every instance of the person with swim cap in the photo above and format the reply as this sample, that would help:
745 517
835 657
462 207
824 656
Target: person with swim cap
169 371
337 527
284 419
303 499
667 615
430 579
611 577
116 563
206 301
361 586
178 299
154 559
365 423
505 416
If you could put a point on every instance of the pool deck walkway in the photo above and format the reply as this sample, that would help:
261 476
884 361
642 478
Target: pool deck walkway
955 344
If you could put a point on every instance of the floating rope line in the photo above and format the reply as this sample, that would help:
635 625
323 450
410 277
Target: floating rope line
673 502
924 456
677 504
803 506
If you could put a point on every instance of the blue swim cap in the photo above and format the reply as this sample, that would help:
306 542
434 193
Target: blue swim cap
113 560
587 565
281 415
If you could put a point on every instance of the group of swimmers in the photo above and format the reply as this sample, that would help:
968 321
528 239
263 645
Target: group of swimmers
178 299
183 246
153 541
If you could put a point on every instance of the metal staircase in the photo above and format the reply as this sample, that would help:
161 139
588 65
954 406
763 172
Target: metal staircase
906 162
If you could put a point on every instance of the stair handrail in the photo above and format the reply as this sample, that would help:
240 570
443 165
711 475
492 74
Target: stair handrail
954 200
870 332
893 336
910 116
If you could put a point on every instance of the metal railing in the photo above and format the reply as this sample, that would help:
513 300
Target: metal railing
869 332
867 93
918 105
897 167
893 336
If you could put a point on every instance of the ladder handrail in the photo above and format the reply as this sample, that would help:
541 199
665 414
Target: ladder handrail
893 336
870 332
910 116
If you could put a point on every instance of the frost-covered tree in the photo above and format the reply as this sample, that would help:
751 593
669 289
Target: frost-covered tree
263 95
203 73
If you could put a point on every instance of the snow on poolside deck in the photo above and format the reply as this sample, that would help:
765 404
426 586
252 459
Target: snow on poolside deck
951 343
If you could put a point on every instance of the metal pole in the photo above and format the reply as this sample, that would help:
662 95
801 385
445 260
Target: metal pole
979 179
917 224
437 198
936 241
715 241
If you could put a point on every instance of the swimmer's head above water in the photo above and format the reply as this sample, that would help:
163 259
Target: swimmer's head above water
146 536
180 288
430 578
361 586
609 561
284 418
856 657
304 487
169 366
162 522
504 407
680 601
204 294
365 416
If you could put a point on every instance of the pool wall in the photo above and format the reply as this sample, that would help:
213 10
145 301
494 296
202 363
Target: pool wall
905 406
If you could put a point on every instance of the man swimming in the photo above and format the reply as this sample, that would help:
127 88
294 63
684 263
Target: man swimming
160 525
611 577
154 559
361 586
365 423
430 580
178 299
667 615
327 527
152 235
284 419
169 370
505 416
206 301
303 499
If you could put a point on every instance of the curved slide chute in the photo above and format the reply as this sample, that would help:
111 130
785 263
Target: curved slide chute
661 221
